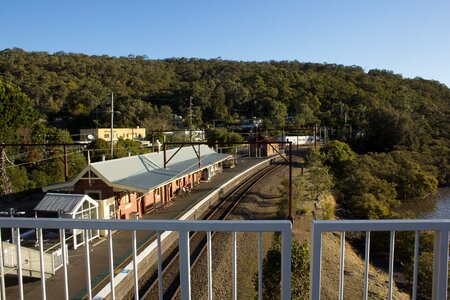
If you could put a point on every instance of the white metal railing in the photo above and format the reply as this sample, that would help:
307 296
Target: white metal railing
31 259
440 228
182 227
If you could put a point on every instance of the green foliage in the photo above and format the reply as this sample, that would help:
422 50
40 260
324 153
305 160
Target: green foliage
371 183
128 147
374 112
368 196
319 181
327 206
405 255
425 274
122 148
224 137
19 179
98 148
309 187
336 152
299 271
15 110
379 106
387 128
39 166
313 157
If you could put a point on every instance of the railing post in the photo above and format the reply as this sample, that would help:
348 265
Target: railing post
286 237
135 265
391 264
342 267
160 261
62 234
42 262
315 262
19 263
366 265
185 265
88 263
111 264
440 265
234 265
2 270
209 262
260 266
416 265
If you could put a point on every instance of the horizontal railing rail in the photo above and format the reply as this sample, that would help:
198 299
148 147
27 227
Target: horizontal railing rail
182 227
440 228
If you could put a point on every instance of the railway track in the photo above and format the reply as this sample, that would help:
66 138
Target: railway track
170 272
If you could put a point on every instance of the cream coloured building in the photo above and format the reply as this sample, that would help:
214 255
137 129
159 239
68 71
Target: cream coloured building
105 133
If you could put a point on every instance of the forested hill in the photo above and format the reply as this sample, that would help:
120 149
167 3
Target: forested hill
71 91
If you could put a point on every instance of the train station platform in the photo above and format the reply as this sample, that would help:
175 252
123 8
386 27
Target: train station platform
122 242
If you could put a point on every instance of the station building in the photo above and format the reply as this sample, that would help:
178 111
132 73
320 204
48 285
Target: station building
266 147
105 133
71 206
139 184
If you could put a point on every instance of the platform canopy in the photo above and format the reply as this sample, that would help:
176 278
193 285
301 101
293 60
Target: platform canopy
68 204
145 172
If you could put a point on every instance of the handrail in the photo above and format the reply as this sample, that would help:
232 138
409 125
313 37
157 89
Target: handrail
182 227
441 229
148 225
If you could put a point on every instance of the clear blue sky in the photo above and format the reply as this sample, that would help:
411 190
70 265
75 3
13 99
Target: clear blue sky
409 37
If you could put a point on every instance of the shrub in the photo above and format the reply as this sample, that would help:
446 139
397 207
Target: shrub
299 271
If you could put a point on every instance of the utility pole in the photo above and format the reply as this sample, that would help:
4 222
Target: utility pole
112 124
5 184
290 184
315 136
190 119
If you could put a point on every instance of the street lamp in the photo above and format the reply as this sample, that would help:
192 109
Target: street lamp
190 119
112 124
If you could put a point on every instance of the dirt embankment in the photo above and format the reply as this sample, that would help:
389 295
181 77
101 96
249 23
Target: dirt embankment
354 264
264 203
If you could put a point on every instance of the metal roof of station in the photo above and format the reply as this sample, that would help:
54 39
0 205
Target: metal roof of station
144 172
66 203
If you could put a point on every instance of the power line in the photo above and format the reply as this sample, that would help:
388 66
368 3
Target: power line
40 160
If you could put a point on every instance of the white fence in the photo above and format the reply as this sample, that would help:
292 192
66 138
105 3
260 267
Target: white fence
182 227
440 228
30 260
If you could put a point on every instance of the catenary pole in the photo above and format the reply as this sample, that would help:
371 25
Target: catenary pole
112 124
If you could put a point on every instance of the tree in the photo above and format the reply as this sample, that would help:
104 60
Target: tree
125 147
15 112
224 137
387 128
378 111
299 271
98 148
367 196
335 153
275 113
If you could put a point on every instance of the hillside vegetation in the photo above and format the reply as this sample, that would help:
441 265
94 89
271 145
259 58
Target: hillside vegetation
45 95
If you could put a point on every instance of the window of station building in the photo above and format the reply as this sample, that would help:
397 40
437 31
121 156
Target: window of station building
106 135
126 198
112 210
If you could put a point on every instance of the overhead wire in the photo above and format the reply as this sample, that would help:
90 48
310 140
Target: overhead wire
40 160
